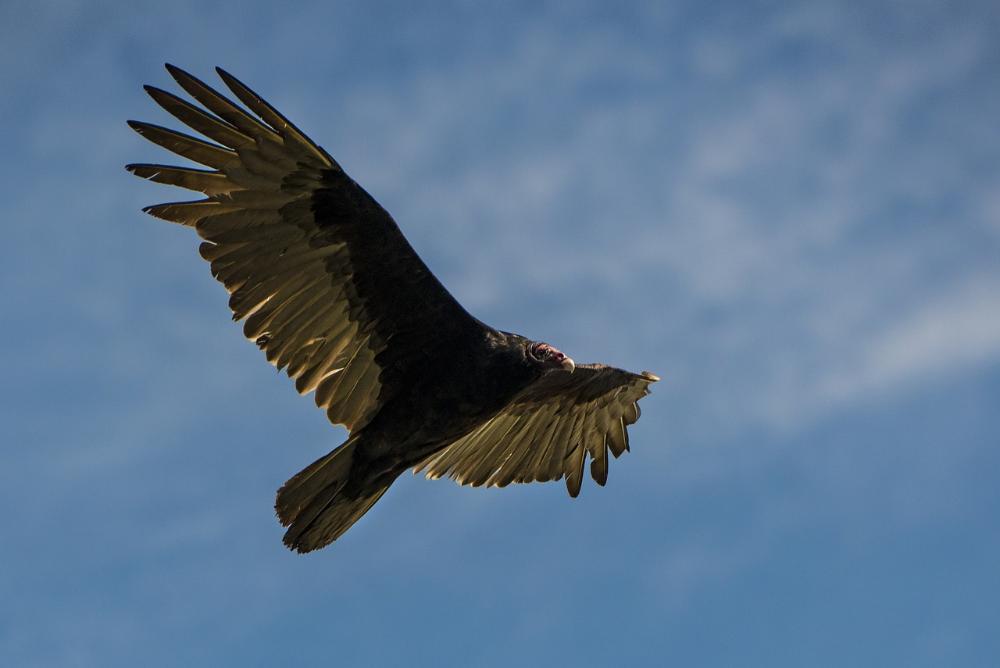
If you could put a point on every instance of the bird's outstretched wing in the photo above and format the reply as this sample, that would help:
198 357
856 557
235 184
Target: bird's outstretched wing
548 430
329 288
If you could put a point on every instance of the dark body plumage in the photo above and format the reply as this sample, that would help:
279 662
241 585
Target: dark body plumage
333 294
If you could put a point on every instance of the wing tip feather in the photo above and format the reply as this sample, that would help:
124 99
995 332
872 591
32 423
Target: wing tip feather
180 75
599 471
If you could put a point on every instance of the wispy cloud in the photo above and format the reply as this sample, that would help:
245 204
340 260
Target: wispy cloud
948 333
805 210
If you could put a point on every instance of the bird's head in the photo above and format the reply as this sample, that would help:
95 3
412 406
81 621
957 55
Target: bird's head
550 357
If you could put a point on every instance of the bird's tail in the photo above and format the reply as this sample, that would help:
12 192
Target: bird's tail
317 505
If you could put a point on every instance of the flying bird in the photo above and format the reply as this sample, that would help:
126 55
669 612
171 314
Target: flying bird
330 290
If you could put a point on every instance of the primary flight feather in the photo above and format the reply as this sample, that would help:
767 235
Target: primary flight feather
331 291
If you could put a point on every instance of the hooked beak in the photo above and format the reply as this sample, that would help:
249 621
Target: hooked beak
568 364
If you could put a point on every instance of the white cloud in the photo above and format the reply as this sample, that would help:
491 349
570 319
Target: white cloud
950 333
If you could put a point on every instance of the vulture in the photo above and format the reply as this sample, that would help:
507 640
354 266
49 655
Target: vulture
330 290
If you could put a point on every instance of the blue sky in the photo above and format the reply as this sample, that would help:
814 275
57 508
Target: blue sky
790 212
